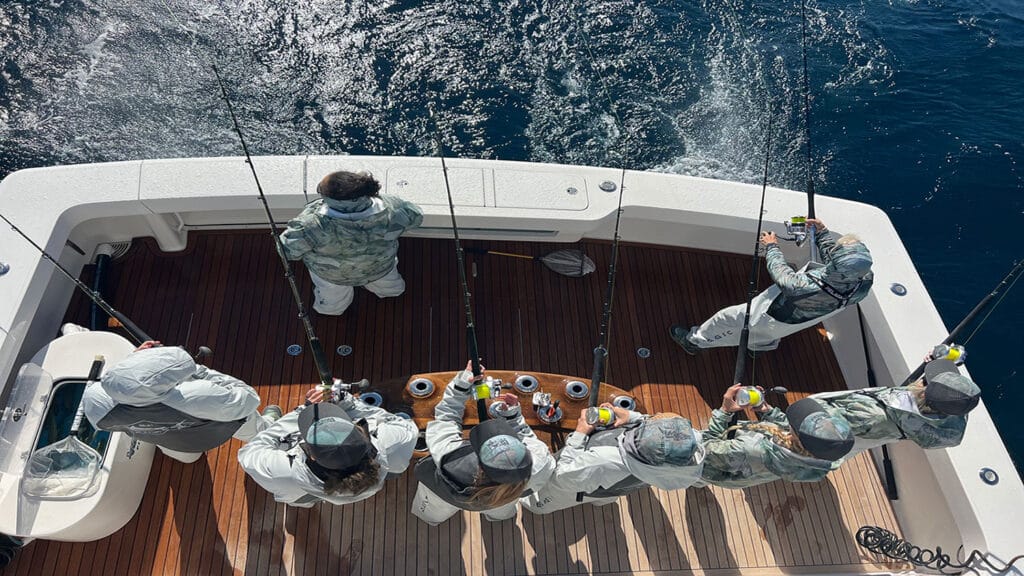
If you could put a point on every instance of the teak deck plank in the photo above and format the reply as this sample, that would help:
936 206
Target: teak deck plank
208 518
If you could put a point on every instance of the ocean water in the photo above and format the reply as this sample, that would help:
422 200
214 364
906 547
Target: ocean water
916 104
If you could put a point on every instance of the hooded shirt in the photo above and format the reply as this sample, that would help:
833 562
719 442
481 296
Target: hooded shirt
350 242
882 415
604 465
805 295
275 460
161 396
444 437
752 458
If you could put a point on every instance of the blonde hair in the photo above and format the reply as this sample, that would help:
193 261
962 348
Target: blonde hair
778 435
917 391
847 239
495 495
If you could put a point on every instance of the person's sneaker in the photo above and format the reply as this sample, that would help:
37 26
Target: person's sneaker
679 334
71 328
272 413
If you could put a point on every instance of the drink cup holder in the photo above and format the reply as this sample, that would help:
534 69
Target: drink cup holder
577 390
526 384
372 399
421 388
627 402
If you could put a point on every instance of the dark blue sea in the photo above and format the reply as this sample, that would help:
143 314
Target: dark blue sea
918 105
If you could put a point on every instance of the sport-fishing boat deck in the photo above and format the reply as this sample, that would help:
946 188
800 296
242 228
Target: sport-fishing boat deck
224 291
688 254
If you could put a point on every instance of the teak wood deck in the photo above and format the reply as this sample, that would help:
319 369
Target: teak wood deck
208 518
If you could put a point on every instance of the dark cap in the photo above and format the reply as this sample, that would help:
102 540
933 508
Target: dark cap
948 391
664 441
823 435
502 455
331 437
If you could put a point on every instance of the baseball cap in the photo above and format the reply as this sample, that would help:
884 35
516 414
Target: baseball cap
947 390
502 455
331 437
823 435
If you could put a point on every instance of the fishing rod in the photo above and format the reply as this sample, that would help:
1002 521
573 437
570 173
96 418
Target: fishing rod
601 351
740 370
1017 267
474 352
755 261
133 330
319 358
813 232
887 471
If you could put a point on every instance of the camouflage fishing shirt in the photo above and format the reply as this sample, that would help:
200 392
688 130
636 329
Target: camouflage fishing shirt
350 243
875 414
752 458
802 299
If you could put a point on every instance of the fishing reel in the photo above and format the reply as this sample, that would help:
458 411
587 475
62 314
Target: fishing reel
339 388
796 227
489 388
547 411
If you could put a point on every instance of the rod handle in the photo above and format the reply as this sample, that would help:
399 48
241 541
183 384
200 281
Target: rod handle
890 477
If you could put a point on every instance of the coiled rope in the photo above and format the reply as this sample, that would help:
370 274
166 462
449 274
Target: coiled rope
882 541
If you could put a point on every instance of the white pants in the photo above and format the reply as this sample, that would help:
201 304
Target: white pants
724 328
552 500
332 299
252 426
430 508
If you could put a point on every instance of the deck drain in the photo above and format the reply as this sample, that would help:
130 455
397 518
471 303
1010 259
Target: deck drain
294 350
989 476
344 350
643 352
898 289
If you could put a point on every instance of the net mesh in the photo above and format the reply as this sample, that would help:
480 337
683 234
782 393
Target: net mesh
573 263
68 468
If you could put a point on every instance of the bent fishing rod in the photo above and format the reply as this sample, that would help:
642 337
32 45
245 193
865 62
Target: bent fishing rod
1006 281
474 352
319 358
133 330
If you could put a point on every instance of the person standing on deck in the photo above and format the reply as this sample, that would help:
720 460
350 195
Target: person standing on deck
349 237
801 445
798 300
932 412
502 461
598 466
158 394
334 452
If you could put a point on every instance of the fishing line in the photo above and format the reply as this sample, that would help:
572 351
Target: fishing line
134 331
319 358
990 311
807 128
601 351
1017 268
